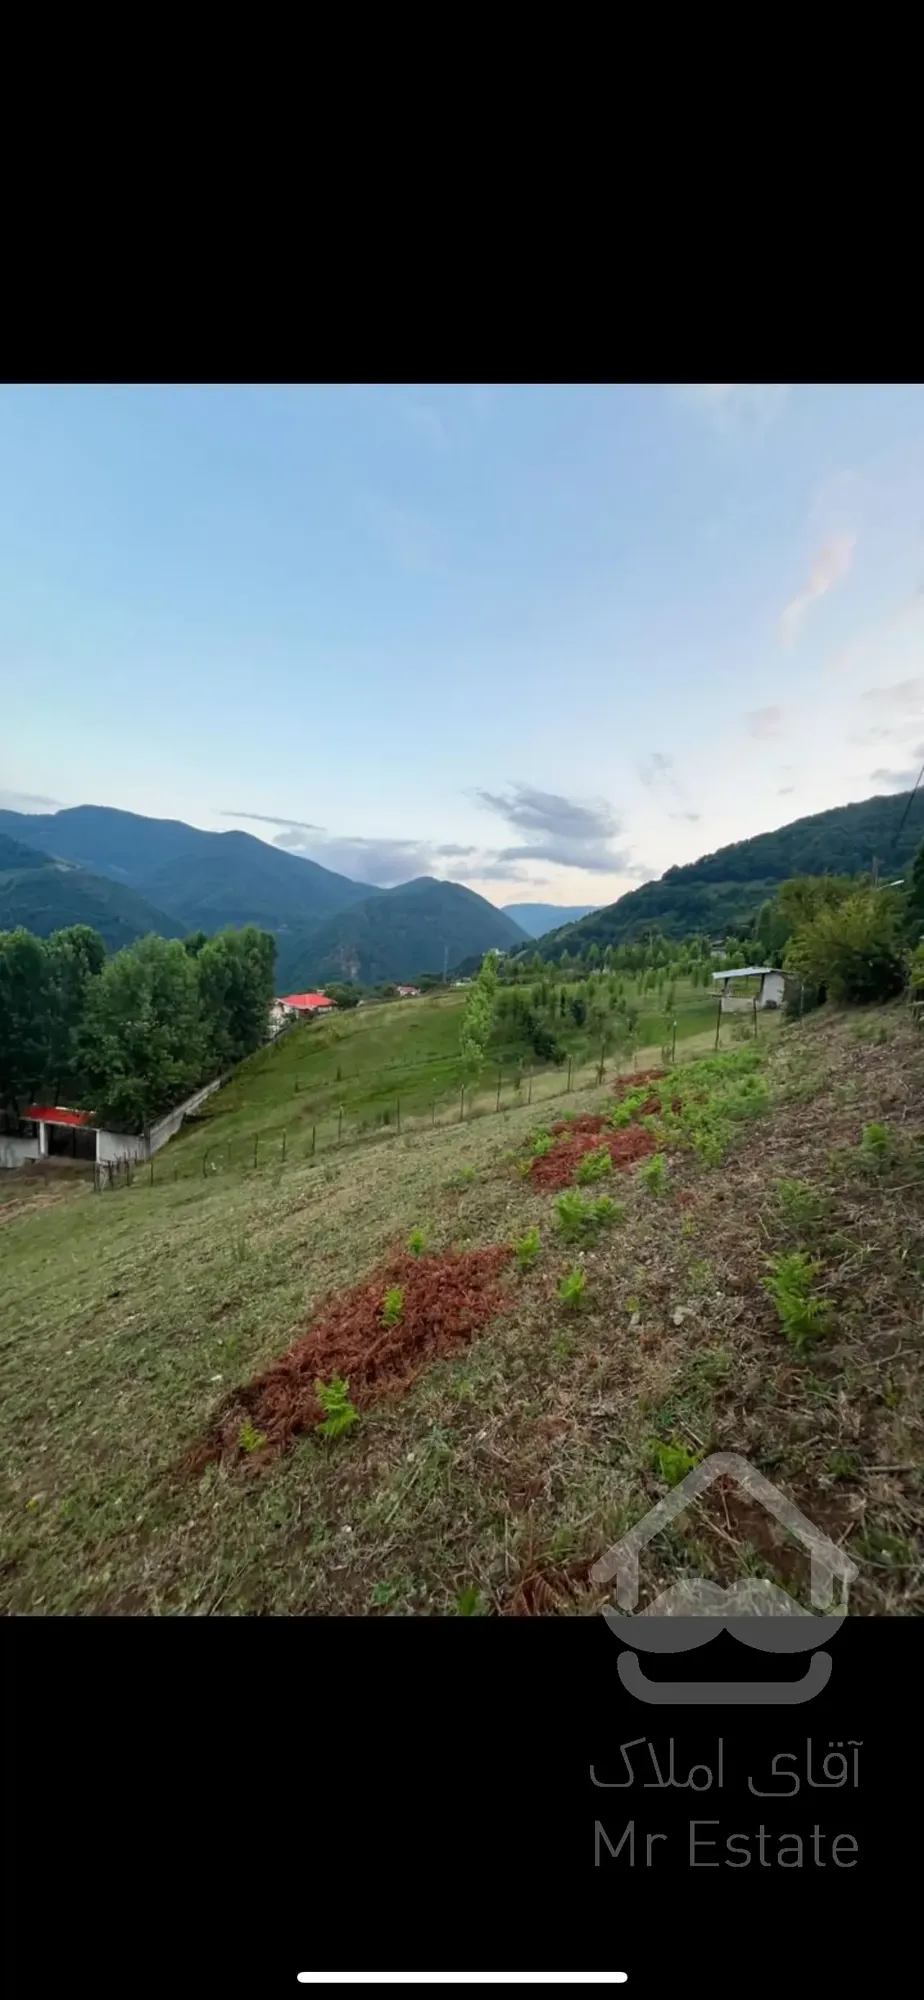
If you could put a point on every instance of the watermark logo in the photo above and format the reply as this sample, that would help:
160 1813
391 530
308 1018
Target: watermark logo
757 1612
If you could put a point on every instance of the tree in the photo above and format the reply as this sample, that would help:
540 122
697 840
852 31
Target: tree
852 948
478 1016
235 973
914 905
144 1044
25 1018
74 959
195 942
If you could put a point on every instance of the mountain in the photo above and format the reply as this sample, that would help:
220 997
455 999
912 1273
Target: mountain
45 896
537 918
397 934
728 887
201 880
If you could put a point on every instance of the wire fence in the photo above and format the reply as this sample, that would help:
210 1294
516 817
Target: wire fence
309 1137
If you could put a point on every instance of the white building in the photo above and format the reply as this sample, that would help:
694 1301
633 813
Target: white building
768 994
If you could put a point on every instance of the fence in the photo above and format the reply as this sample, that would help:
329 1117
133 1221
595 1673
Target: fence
281 1145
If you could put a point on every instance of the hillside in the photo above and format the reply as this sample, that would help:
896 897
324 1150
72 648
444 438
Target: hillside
537 918
45 896
728 887
13 855
398 934
202 880
506 1432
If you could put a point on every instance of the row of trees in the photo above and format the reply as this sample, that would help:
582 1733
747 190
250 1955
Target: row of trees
127 1036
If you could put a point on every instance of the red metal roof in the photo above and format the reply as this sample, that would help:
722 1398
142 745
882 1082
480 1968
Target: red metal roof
55 1114
306 1000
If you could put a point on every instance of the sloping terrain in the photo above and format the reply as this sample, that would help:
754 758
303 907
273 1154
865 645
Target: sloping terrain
729 886
202 880
627 1343
398 934
53 895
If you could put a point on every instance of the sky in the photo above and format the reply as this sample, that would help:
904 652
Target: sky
545 640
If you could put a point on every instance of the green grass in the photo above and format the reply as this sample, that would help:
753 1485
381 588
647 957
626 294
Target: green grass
127 1317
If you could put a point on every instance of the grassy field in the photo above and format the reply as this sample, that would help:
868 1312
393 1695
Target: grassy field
328 1082
505 1470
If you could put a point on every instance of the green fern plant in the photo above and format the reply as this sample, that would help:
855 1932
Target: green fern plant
802 1309
393 1305
673 1461
339 1413
417 1242
594 1166
250 1439
654 1173
571 1289
526 1249
876 1147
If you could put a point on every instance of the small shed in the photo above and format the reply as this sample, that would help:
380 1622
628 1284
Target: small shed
768 993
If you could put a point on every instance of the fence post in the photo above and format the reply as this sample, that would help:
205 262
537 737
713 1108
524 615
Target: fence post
399 1114
433 1112
718 1023
529 1094
462 1105
205 1161
674 1044
283 1146
255 1145
568 1086
314 1134
499 1081
340 1124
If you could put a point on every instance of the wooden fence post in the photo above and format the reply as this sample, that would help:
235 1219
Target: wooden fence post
674 1044
399 1114
462 1105
568 1085
314 1134
499 1081
283 1147
718 1023
529 1094
340 1124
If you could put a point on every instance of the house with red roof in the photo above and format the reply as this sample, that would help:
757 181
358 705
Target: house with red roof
306 1003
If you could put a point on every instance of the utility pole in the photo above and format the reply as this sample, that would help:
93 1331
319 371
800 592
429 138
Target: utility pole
445 962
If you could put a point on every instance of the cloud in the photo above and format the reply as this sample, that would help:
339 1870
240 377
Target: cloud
903 698
381 862
735 407
762 722
896 781
564 831
830 565
784 791
28 802
273 819
502 871
658 775
425 419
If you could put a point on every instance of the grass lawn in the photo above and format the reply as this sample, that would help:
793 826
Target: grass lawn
127 1319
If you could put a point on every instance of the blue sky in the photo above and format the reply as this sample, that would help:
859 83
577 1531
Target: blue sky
545 640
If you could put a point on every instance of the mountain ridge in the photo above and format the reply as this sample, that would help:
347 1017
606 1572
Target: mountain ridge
420 926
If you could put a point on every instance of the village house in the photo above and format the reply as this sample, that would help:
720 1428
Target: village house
304 1004
768 993
408 992
55 1132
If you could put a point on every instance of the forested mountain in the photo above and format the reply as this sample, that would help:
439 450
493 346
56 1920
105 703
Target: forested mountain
727 888
42 896
537 918
397 934
202 881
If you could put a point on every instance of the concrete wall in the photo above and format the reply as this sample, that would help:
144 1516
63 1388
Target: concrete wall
121 1146
168 1126
16 1152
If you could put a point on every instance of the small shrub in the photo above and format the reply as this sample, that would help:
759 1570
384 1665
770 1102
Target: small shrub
249 1439
605 1210
393 1305
540 1143
417 1242
803 1311
594 1166
876 1147
799 1204
470 1603
526 1249
339 1413
654 1173
571 1289
579 1217
673 1461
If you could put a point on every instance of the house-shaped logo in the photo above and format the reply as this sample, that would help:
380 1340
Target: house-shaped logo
757 1612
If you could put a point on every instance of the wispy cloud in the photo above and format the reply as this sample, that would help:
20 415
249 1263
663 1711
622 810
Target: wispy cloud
897 781
28 802
763 722
903 698
273 819
830 565
561 830
784 791
427 421
381 862
738 408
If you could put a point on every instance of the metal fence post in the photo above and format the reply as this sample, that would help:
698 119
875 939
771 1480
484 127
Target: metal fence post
568 1086
314 1134
718 1024
255 1146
